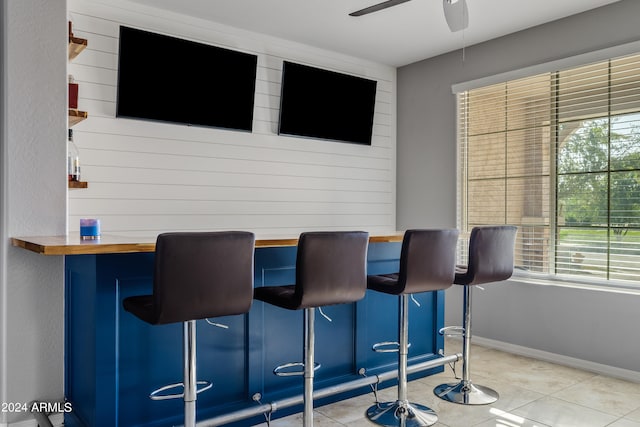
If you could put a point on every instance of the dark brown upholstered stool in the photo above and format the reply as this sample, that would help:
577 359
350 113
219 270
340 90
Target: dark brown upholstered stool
427 263
491 254
197 275
330 269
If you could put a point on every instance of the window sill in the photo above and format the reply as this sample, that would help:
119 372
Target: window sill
618 287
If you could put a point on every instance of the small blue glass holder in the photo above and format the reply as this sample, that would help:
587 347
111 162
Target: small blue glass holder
89 229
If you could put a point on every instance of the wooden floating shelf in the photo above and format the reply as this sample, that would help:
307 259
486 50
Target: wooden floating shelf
76 45
76 116
78 184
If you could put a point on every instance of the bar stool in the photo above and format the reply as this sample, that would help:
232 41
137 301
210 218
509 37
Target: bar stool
197 275
330 269
491 254
427 263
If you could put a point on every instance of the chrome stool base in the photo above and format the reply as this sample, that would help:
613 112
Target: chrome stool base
401 414
469 394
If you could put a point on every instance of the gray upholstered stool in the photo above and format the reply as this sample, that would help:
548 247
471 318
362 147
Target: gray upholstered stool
196 276
427 263
491 254
330 269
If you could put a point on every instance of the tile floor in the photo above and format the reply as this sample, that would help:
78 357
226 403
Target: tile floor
532 394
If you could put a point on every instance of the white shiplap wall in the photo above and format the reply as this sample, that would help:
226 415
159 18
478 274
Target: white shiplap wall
147 177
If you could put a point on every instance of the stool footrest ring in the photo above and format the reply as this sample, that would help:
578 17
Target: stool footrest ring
381 347
452 331
155 395
282 371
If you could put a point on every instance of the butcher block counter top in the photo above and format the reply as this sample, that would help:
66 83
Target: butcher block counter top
113 244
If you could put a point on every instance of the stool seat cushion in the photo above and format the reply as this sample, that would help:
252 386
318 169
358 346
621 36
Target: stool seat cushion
491 255
281 296
330 269
198 275
427 260
386 283
462 275
142 306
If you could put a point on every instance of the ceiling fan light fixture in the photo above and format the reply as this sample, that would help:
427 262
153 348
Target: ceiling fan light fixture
377 7
456 14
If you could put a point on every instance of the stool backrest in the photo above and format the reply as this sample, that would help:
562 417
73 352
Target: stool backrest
491 254
331 267
203 274
427 260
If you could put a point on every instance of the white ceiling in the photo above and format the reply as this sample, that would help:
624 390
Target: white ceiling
396 36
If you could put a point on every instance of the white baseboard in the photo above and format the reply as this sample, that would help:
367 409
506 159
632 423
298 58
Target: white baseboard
559 359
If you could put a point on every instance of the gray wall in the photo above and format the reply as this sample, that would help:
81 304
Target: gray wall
33 198
3 205
599 327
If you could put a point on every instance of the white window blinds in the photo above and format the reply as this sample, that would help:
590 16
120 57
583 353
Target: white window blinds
558 155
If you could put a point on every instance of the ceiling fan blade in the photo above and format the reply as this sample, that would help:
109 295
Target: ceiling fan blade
377 7
456 14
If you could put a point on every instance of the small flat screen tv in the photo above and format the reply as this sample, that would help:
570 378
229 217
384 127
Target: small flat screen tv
174 80
325 104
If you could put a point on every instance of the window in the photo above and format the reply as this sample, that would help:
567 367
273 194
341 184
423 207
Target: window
558 155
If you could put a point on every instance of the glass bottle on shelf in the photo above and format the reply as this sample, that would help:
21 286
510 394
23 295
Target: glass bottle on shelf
73 159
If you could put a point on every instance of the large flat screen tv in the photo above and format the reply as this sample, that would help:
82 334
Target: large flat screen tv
174 80
325 104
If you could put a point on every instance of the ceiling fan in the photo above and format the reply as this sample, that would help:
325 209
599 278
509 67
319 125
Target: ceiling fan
455 12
